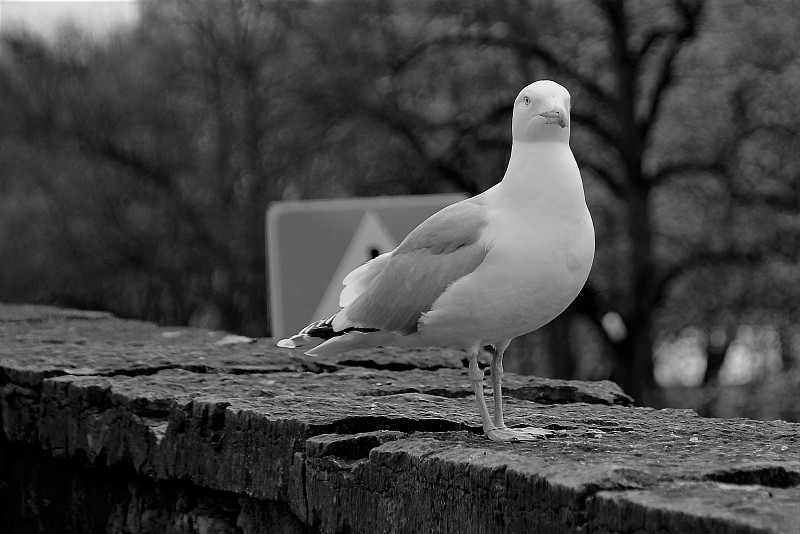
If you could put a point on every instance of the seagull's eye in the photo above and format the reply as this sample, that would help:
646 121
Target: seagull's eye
527 100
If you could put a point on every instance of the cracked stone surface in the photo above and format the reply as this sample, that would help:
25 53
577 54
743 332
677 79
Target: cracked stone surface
123 426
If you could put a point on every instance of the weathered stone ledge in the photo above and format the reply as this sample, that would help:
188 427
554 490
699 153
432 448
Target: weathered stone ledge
121 426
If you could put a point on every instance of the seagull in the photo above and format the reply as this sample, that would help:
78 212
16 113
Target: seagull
482 271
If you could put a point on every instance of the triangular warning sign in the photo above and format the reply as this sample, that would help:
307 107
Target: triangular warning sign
370 239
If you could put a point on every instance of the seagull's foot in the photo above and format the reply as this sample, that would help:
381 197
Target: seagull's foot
517 434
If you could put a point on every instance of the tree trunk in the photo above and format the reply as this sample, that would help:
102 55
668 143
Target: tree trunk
787 334
560 347
720 339
633 370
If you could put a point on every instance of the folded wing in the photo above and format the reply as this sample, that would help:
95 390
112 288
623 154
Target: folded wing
392 291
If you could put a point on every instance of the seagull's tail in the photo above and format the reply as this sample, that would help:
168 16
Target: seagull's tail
299 340
355 340
321 336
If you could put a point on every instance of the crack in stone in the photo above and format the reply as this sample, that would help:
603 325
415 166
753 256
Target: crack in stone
350 447
370 423
390 366
773 476
434 391
563 394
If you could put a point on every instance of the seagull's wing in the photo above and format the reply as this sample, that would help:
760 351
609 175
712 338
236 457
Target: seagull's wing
393 291
360 278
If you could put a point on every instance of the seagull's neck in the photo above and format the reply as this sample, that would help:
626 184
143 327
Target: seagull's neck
534 164
541 174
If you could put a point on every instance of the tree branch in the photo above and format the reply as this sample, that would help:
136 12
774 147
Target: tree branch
677 169
156 177
690 12
719 165
653 37
401 123
617 188
596 126
701 258
527 46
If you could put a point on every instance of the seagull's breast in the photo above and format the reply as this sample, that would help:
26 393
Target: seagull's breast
537 268
539 258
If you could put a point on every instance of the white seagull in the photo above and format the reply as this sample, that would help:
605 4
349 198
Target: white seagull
482 271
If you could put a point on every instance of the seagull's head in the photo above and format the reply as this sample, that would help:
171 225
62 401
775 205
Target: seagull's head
541 113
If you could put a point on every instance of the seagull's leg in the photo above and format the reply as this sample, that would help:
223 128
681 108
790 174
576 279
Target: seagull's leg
501 432
476 377
497 379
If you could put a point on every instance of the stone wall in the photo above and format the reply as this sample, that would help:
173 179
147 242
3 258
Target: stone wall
120 426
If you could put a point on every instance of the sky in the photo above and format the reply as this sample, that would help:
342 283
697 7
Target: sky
44 17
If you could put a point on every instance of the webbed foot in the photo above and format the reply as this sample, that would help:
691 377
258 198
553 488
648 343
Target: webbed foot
518 434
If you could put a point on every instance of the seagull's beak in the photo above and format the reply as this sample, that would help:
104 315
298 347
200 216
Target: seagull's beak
557 115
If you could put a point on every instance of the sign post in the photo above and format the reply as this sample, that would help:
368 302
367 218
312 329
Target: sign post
313 244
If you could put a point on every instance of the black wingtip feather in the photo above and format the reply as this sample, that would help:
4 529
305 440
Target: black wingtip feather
324 329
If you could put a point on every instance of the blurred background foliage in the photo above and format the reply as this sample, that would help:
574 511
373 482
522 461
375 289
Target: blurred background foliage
136 170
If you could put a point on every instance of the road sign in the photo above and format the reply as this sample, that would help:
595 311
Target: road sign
313 244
